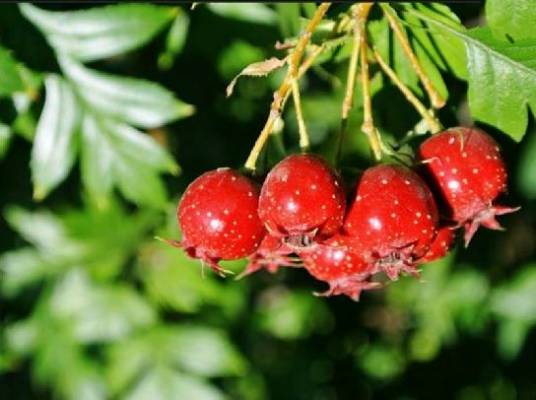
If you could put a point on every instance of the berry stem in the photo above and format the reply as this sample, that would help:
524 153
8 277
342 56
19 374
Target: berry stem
350 79
435 98
286 86
433 123
302 129
368 127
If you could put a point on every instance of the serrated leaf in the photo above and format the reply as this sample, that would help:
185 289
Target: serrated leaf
140 103
261 68
117 154
257 13
502 77
502 81
55 142
100 32
175 40
10 80
511 19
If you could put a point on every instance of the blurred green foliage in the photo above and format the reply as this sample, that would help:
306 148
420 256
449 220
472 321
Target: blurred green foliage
99 106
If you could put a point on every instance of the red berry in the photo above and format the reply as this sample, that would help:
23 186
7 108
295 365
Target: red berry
467 168
441 245
394 217
218 217
339 262
302 198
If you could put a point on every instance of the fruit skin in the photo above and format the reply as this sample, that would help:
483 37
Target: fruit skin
394 217
441 244
302 199
466 168
218 217
339 262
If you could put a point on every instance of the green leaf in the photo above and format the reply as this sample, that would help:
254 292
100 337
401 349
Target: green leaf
515 299
140 103
444 48
256 13
289 18
205 351
55 144
200 350
511 337
115 153
5 139
100 32
514 19
165 383
97 159
98 312
502 81
140 185
172 280
391 51
41 228
309 9
175 40
20 268
10 80
502 77
292 315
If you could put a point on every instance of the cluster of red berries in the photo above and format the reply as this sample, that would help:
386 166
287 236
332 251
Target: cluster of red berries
390 225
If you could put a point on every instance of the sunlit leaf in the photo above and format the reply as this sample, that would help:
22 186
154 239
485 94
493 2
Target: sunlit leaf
55 142
165 383
141 103
117 154
257 13
99 312
100 32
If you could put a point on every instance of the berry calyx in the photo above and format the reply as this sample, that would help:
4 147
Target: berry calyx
218 218
339 262
394 218
302 199
468 171
441 244
272 254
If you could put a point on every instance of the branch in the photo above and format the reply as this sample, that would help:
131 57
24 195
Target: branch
281 94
